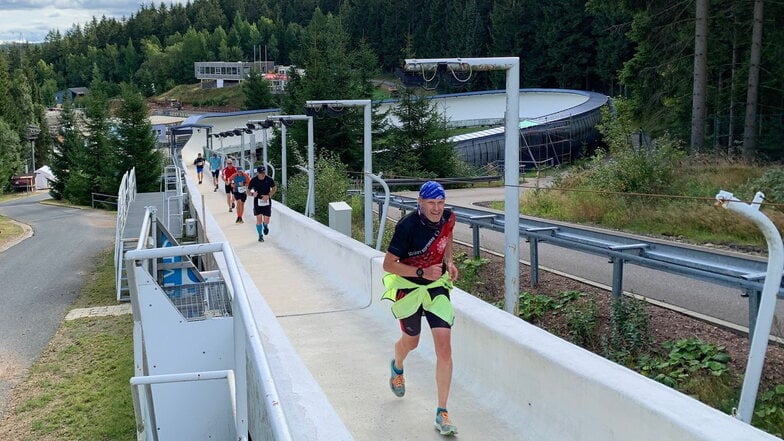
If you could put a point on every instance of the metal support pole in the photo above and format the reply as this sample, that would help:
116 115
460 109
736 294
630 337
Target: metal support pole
475 241
368 156
312 174
511 158
283 165
264 142
767 306
617 280
368 170
533 249
755 297
475 228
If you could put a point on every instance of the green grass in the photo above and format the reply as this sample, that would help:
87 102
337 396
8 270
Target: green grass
193 94
100 288
686 211
78 389
8 229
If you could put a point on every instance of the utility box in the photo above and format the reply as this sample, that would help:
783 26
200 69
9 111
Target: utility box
340 217
190 227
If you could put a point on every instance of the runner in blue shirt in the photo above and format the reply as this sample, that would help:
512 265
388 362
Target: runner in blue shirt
239 184
215 166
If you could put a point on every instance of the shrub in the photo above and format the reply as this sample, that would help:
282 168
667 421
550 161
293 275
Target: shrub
629 331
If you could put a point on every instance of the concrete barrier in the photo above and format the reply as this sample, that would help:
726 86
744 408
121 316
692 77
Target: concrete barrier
558 391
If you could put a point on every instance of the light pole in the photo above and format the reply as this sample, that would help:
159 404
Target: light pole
285 121
31 133
368 162
511 156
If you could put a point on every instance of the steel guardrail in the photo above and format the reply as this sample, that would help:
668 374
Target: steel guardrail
745 273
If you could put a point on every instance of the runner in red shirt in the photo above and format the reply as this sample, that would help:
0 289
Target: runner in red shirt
226 175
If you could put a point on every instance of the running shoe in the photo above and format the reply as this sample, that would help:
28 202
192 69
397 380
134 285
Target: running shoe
443 425
261 238
266 230
240 221
396 381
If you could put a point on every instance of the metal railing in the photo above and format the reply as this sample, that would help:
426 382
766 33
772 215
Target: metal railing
125 195
744 273
105 200
173 199
248 348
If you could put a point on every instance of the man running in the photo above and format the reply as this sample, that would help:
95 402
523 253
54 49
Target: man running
239 183
420 275
227 175
262 188
215 166
199 163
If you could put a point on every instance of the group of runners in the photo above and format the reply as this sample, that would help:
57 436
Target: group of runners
419 270
237 184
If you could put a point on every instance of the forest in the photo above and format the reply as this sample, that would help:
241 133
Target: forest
710 73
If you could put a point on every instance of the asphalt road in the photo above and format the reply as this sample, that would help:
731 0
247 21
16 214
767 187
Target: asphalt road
41 276
714 301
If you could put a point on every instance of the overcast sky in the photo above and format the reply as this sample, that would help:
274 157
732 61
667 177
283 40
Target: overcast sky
31 20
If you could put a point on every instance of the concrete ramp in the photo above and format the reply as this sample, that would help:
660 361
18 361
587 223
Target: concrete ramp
512 381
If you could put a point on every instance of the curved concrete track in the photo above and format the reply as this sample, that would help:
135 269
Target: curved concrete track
41 276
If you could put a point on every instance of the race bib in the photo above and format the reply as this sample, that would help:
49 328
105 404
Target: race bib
262 202
241 189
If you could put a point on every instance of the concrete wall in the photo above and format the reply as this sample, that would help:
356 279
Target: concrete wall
557 390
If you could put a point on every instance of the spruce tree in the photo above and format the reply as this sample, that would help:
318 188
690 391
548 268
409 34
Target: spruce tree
135 143
10 154
68 152
257 92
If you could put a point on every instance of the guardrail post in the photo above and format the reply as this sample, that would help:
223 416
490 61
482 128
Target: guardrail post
617 279
533 247
755 297
475 241
475 228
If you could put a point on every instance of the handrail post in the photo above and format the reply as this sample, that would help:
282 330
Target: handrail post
770 290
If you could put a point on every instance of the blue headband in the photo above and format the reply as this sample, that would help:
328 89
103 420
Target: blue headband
432 190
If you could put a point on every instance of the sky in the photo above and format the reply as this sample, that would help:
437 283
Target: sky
31 20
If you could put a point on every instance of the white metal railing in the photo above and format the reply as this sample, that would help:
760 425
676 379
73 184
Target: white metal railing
248 348
125 195
173 197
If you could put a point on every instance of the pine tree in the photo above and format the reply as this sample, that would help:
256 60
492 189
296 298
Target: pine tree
100 166
135 143
257 92
11 160
419 145
69 151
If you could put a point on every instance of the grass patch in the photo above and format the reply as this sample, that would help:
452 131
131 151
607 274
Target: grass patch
99 289
686 210
193 94
78 389
9 229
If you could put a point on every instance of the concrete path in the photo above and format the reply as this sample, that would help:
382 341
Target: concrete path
41 276
347 346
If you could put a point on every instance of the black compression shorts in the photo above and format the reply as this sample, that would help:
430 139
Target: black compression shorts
413 325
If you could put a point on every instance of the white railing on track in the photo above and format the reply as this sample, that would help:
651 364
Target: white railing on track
125 196
248 349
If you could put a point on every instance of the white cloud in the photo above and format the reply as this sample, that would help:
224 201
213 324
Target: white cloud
31 20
